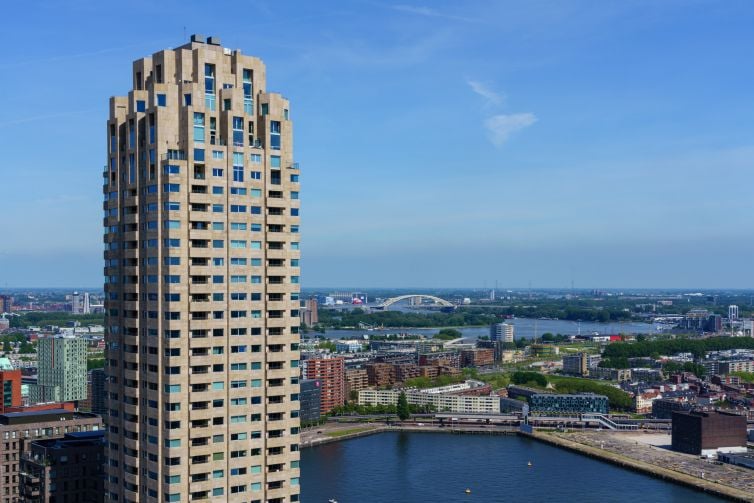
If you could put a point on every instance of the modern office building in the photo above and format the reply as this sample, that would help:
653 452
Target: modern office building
64 469
201 216
311 396
62 370
707 433
501 332
331 373
19 429
547 403
98 398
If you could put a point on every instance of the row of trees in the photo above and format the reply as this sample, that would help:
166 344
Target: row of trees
34 319
655 348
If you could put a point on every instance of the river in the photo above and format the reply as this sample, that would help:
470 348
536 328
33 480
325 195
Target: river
525 328
438 467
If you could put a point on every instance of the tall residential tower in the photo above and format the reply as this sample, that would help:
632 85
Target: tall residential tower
201 218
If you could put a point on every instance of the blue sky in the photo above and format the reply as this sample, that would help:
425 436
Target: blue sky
442 143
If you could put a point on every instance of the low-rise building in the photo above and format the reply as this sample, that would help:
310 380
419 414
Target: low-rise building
478 357
65 469
356 380
707 433
663 408
643 401
440 401
19 429
546 403
619 375
380 374
351 346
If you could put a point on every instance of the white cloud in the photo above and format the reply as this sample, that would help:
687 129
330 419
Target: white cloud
429 12
500 127
485 92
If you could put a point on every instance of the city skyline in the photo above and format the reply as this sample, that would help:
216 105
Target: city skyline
604 145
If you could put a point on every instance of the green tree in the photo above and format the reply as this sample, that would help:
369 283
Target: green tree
6 346
404 411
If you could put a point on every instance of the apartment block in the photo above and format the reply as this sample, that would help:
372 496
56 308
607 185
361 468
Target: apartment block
65 469
19 429
201 216
356 380
331 373
501 332
478 357
62 370
380 374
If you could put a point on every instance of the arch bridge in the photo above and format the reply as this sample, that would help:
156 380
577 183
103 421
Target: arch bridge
392 300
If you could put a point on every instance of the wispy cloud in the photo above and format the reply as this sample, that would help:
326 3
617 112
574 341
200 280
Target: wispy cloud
500 127
429 12
491 97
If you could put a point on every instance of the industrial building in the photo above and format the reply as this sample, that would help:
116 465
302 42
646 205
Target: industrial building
550 403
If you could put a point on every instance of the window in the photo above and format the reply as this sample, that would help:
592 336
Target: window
256 158
294 194
172 388
171 187
217 208
199 154
256 245
187 99
237 226
275 135
237 243
172 224
218 243
256 210
172 206
238 191
237 166
248 103
198 127
218 261
238 279
218 154
294 246
171 169
256 193
238 131
209 79
256 175
265 109
141 106
274 161
256 262
256 227
294 178
218 226
294 212
217 189
162 100
218 172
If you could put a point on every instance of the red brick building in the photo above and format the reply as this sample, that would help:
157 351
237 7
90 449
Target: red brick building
331 372
10 384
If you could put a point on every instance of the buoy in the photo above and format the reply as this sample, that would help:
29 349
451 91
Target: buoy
468 491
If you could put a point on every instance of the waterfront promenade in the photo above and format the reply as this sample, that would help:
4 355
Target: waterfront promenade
649 453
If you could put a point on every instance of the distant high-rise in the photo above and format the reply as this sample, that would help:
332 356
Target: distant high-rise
62 370
6 301
202 282
501 332
733 312
331 373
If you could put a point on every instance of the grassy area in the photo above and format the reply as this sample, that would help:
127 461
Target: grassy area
349 431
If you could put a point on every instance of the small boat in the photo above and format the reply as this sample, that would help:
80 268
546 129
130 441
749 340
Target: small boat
528 464
467 491
332 500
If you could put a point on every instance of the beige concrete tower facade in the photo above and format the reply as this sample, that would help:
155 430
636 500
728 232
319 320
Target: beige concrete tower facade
201 217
